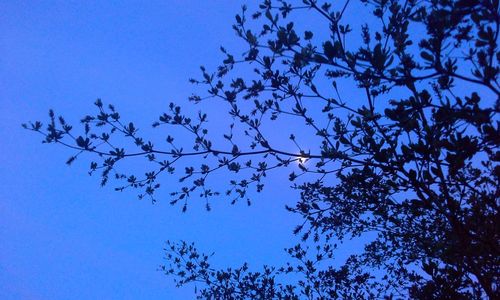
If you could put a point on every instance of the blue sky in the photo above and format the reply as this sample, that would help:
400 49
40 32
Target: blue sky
64 237
61 235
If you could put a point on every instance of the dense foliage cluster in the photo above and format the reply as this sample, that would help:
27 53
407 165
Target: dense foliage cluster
404 110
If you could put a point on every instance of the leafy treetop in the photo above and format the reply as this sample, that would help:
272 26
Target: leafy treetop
414 164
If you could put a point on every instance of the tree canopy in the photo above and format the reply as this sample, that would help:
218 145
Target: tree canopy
400 113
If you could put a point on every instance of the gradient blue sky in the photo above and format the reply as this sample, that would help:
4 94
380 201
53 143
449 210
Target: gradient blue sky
61 235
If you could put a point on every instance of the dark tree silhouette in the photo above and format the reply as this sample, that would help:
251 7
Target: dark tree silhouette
404 114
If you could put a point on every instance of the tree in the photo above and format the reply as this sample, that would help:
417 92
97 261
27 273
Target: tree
414 165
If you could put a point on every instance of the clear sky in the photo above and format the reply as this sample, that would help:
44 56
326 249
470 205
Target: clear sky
61 235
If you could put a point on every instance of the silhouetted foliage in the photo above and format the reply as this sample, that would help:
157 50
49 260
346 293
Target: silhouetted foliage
404 114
